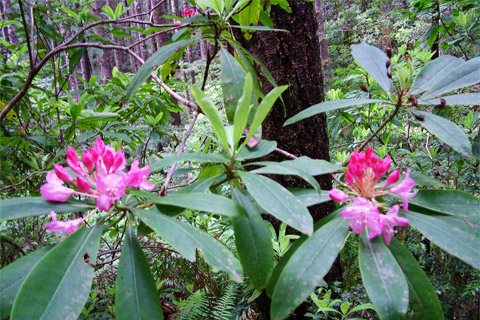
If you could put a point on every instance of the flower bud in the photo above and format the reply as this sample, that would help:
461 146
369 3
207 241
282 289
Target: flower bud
363 87
389 53
389 62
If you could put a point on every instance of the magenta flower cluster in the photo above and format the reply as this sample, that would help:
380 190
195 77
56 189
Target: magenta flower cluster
363 174
99 175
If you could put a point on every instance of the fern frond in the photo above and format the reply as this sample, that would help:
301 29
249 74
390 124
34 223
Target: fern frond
195 307
224 306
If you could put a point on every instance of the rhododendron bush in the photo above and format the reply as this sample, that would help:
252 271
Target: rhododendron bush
376 199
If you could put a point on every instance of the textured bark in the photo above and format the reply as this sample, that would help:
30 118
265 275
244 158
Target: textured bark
160 39
321 31
293 58
107 59
385 8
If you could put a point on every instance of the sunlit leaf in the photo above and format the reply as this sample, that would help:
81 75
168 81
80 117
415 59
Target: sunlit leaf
374 61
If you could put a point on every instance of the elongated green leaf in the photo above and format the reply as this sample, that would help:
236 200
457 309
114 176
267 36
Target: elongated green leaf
258 28
307 266
432 73
465 99
450 202
93 117
196 157
243 109
383 278
254 243
262 149
422 293
28 207
458 235
12 277
286 168
278 201
328 106
374 61
446 131
233 80
212 114
310 197
310 166
158 58
463 75
263 109
186 239
216 5
58 286
249 16
204 202
136 295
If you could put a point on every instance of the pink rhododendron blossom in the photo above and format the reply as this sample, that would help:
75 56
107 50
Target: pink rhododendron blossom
404 188
177 22
63 226
391 220
363 213
188 13
100 175
364 172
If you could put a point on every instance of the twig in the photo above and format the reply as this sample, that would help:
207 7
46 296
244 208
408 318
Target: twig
380 128
286 154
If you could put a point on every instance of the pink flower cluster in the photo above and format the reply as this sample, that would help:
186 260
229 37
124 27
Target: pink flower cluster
185 13
99 175
363 174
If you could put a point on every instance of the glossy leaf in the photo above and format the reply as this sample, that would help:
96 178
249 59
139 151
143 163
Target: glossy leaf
12 277
185 238
254 243
136 295
278 201
383 278
212 114
285 168
463 75
310 197
430 74
262 149
196 157
233 80
249 16
465 99
28 207
422 294
458 235
446 131
328 106
243 110
307 266
263 109
207 202
374 61
449 202
58 286
157 59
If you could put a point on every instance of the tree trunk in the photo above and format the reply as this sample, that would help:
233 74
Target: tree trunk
106 60
321 31
385 8
293 58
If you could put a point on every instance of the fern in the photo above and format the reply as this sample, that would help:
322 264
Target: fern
224 306
195 307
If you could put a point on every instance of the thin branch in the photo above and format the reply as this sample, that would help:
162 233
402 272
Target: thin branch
380 128
27 36
286 154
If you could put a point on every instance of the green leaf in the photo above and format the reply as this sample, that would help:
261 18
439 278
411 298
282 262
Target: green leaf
310 197
313 167
233 80
328 106
216 5
254 243
92 117
109 12
58 286
12 277
262 149
428 181
263 109
449 202
422 293
307 266
432 73
136 295
457 235
249 16
465 99
185 238
278 201
207 202
286 168
243 110
28 207
158 58
374 61
446 131
383 278
461 76
212 114
196 157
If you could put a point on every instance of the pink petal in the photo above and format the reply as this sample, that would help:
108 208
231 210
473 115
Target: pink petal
338 195
54 190
393 178
62 173
73 162
87 160
83 185
403 189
